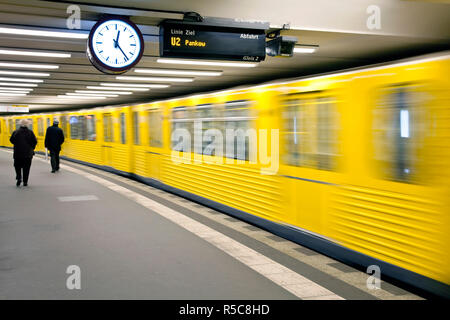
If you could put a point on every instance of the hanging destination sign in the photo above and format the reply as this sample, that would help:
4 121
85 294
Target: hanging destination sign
194 40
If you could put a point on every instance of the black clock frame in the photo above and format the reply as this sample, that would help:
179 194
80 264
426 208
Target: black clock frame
99 65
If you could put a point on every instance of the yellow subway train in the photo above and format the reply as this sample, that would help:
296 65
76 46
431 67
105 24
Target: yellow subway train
354 164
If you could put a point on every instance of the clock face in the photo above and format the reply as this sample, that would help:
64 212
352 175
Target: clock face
115 45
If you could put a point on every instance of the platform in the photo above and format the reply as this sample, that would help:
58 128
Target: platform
132 241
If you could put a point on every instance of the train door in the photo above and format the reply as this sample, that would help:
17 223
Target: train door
153 154
123 140
138 145
410 169
63 126
11 128
2 131
122 147
309 139
47 123
108 139
40 134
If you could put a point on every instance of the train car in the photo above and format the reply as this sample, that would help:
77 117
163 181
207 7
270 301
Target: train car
3 129
352 164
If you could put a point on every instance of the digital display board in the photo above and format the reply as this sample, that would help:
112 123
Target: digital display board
194 40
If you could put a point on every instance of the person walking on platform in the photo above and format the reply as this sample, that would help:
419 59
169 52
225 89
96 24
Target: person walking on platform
24 142
54 138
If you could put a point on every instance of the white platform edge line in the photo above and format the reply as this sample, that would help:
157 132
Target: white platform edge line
88 197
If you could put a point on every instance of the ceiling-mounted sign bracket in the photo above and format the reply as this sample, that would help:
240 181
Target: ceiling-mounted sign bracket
192 17
278 45
276 33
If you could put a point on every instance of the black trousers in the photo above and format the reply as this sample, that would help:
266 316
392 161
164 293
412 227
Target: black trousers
24 165
54 159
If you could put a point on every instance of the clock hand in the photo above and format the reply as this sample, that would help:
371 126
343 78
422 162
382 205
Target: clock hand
116 43
121 50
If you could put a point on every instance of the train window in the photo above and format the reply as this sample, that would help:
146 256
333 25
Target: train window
48 122
309 133
40 123
90 133
123 133
327 131
108 133
82 128
136 128
155 120
181 119
234 115
210 117
291 133
398 130
30 123
73 127
11 126
64 125
238 118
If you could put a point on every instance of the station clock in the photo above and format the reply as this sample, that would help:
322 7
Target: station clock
115 45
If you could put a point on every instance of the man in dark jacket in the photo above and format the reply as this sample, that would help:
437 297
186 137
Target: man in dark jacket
54 138
24 142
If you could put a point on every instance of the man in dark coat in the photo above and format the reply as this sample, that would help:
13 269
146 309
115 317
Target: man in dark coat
54 138
24 142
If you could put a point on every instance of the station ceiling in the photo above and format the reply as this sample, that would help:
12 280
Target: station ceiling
338 29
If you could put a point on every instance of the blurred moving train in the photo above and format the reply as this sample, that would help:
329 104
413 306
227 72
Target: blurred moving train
364 171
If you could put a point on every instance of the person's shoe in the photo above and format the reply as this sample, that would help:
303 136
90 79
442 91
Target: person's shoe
18 183
25 184
53 171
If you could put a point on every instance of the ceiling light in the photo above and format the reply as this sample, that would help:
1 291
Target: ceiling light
136 85
90 95
19 73
103 92
16 89
12 91
180 72
304 49
81 97
12 94
35 53
208 63
117 88
18 84
28 65
20 79
42 33
155 79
